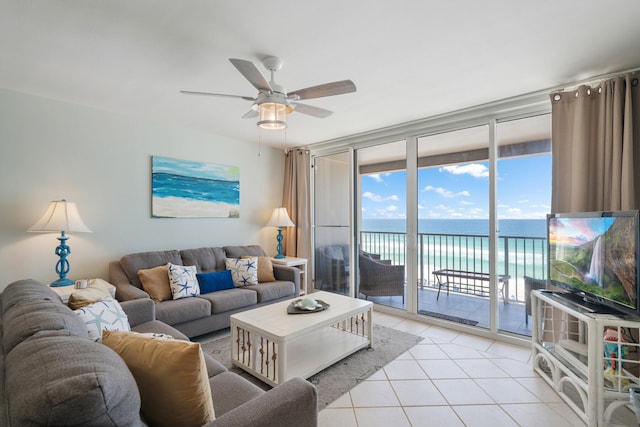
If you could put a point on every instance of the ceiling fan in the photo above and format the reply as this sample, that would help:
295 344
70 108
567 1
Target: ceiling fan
273 102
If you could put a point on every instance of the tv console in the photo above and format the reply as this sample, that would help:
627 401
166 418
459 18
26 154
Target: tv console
572 356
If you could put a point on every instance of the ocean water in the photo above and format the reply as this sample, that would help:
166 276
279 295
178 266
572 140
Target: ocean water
475 227
463 244
198 189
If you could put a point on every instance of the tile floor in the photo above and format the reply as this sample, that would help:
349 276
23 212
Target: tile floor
451 379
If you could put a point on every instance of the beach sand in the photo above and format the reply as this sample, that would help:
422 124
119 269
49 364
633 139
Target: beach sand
175 207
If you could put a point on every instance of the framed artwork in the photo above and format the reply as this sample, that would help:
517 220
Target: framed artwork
187 189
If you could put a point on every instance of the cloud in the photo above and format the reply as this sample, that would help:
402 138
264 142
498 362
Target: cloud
476 170
523 201
446 193
377 177
378 198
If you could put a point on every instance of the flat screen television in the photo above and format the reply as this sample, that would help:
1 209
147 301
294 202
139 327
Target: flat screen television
593 256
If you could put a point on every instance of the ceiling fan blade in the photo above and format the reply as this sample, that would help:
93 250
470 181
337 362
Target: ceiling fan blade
250 114
251 73
310 110
189 92
327 89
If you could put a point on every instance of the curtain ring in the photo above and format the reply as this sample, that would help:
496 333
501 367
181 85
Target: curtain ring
634 82
556 97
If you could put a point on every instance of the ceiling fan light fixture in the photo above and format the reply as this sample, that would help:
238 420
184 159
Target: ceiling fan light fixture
273 116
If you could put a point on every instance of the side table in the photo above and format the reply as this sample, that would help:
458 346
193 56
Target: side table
65 291
301 264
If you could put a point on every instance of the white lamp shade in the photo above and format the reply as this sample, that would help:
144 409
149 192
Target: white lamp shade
60 216
280 218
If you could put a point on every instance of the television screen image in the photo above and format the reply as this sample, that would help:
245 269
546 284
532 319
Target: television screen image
595 255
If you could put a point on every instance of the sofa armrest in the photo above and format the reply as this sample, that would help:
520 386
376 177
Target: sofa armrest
124 289
293 403
290 274
139 311
128 292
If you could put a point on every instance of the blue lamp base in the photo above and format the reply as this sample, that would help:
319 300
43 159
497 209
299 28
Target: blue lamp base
62 266
61 282
279 238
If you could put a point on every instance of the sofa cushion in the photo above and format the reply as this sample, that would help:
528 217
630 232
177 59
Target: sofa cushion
133 263
171 376
205 259
183 281
182 310
265 269
230 299
244 271
33 317
239 251
87 384
155 282
95 291
273 290
215 281
103 315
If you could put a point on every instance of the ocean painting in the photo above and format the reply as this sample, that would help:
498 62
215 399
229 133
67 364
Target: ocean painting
187 189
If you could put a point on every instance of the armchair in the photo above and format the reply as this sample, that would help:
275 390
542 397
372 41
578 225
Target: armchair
380 278
333 265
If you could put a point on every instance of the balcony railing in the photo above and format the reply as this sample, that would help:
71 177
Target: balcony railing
517 256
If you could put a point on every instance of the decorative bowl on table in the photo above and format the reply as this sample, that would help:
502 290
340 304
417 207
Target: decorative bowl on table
306 305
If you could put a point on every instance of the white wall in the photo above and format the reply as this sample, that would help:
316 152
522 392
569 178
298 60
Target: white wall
51 150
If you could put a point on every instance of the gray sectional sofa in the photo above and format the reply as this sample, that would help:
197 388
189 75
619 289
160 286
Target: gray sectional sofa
51 373
208 312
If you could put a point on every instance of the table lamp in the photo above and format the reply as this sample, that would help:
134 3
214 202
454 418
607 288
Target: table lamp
280 219
61 216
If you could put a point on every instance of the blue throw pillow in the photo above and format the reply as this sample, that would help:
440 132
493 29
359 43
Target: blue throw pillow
215 281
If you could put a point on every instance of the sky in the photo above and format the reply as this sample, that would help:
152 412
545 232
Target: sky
195 169
462 191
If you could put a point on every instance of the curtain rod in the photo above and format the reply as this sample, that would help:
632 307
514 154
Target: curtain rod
591 81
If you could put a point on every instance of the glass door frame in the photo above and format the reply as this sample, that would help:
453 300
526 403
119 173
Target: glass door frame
351 207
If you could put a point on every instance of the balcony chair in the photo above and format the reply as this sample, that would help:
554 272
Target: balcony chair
379 277
531 284
333 265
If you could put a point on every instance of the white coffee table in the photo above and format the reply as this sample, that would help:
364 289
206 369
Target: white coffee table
275 346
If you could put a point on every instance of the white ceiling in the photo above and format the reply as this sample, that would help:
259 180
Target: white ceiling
409 59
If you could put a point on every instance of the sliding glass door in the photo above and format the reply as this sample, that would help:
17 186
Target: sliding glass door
524 199
453 226
332 224
382 183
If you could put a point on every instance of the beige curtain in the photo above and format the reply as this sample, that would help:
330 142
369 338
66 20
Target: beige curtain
595 136
296 197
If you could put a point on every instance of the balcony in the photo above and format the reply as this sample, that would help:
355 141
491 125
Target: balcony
467 301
